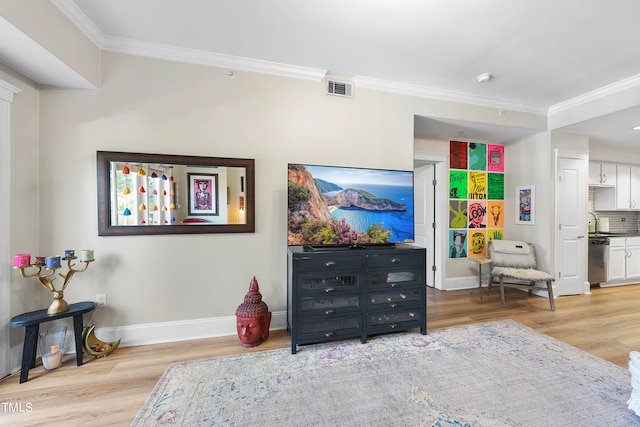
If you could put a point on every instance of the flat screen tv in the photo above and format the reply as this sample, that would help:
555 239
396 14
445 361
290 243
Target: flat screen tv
346 206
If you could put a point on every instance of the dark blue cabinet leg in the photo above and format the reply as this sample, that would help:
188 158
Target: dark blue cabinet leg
29 351
77 332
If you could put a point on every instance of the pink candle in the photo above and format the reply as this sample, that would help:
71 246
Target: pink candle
22 260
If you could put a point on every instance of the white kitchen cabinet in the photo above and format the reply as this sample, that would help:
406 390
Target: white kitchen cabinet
617 259
623 187
633 257
624 259
634 188
602 174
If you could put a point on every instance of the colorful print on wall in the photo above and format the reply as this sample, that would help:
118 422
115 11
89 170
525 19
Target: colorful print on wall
495 157
477 243
495 214
457 243
495 186
477 156
477 185
457 214
458 184
525 198
495 235
477 213
476 197
457 155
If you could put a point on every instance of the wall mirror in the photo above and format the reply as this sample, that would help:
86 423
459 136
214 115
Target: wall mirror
169 194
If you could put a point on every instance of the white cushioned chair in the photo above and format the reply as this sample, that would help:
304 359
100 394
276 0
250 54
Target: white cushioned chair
516 261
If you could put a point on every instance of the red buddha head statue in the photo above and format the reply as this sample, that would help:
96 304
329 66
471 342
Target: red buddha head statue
253 317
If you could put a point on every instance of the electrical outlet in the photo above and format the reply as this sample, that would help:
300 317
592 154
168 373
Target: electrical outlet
101 300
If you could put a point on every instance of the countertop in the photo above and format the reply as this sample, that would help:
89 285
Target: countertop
623 234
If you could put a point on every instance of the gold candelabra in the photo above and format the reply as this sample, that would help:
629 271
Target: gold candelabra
47 277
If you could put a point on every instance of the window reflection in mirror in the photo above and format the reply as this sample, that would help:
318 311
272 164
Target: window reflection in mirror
160 194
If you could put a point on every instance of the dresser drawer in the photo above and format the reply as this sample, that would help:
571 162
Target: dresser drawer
396 259
329 284
396 320
395 300
328 262
330 305
396 279
336 327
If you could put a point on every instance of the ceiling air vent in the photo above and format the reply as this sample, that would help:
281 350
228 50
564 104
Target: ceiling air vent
339 88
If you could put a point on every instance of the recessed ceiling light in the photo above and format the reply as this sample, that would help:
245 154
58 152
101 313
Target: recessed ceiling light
485 77
636 127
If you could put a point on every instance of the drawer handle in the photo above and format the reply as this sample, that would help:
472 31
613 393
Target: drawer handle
330 264
329 334
328 290
394 305
394 325
395 285
330 312
395 260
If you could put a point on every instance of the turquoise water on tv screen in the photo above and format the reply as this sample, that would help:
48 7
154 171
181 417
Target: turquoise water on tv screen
400 223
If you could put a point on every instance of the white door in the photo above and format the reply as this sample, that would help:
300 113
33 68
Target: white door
424 195
571 184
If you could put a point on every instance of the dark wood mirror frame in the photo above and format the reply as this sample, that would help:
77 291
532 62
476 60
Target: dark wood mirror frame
105 226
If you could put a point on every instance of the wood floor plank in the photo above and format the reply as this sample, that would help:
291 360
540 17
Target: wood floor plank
110 391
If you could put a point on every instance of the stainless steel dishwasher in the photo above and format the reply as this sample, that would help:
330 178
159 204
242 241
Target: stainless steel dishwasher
598 259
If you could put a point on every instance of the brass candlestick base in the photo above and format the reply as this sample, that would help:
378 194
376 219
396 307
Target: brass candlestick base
46 278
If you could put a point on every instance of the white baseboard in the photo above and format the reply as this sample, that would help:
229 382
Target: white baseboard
467 282
156 333
183 330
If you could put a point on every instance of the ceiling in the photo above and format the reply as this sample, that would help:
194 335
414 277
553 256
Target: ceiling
541 53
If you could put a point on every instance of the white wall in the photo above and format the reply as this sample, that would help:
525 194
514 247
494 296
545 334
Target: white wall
527 162
157 106
147 105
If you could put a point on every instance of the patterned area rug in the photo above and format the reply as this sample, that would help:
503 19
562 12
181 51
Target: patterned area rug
492 374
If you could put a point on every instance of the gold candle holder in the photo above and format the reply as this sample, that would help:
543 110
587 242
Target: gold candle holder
46 276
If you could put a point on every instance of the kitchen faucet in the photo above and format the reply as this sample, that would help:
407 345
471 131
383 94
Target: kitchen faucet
595 217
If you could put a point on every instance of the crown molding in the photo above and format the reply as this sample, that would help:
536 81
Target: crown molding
77 16
594 95
159 51
7 90
155 50
426 92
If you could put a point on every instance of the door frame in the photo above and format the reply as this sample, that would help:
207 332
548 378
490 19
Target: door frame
6 98
440 162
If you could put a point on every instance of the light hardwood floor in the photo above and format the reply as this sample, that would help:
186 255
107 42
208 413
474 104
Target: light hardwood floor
111 390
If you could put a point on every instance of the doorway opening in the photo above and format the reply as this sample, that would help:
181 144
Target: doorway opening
430 193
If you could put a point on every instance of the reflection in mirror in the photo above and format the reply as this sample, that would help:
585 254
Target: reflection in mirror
167 194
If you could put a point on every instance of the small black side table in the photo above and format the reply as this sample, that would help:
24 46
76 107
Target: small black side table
32 322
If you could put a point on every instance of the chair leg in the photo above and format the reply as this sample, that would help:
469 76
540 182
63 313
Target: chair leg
502 290
550 290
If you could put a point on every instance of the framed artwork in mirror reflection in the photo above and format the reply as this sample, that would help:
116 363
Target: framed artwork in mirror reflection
203 194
